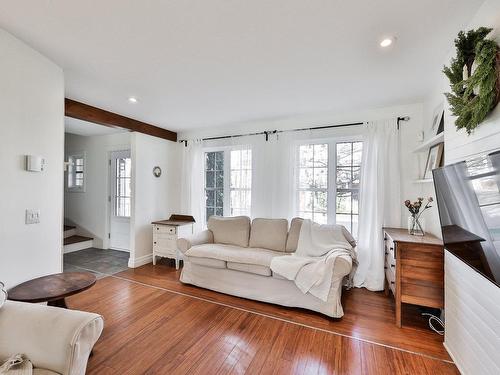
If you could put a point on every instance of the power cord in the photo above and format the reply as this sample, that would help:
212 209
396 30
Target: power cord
433 318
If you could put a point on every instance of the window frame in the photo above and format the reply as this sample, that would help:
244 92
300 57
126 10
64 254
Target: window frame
71 173
331 189
227 175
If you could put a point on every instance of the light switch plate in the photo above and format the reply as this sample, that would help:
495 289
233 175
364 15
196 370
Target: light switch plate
32 216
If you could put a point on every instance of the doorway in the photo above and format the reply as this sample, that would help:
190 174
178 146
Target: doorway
120 165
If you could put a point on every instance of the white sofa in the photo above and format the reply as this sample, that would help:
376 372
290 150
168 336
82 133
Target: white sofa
55 340
234 257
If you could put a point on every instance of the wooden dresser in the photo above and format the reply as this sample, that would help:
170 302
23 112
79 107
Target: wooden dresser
414 269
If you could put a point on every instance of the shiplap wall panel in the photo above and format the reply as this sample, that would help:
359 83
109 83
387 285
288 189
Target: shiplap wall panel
472 308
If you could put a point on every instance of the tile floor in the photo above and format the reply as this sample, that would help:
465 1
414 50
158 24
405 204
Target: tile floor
101 262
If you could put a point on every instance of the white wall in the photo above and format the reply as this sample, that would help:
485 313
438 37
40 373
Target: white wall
153 198
89 210
31 122
411 165
471 302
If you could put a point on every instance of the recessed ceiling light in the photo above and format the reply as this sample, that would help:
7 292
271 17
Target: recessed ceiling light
386 42
131 99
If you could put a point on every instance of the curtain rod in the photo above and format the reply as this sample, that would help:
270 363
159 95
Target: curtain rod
267 133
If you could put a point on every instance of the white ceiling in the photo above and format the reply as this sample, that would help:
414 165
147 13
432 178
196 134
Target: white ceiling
195 63
79 127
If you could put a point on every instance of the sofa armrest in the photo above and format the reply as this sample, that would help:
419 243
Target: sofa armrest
184 244
52 338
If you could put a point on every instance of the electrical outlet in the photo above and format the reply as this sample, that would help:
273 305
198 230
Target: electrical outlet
32 216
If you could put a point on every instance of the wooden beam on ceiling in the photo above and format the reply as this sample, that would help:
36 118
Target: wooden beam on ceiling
96 115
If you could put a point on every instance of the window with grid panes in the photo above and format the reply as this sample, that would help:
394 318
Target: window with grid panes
241 182
76 173
312 189
348 170
228 182
214 183
329 169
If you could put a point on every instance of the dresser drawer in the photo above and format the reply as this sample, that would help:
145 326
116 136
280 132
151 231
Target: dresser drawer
167 229
390 247
391 279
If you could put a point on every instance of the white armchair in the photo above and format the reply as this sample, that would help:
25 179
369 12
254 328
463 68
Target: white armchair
52 338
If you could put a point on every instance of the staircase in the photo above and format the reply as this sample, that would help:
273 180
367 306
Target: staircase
73 242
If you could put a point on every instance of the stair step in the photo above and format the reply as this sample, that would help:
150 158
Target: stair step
76 239
75 243
69 227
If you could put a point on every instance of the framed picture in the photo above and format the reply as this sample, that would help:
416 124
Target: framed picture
437 125
434 159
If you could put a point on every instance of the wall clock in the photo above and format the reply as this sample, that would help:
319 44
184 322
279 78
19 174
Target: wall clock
157 171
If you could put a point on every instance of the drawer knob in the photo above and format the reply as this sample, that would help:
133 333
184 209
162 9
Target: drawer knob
386 253
391 248
393 265
385 268
154 242
392 282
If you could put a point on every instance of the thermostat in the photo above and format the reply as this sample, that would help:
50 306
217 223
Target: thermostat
35 163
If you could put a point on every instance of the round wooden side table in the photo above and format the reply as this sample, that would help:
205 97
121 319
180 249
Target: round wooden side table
52 289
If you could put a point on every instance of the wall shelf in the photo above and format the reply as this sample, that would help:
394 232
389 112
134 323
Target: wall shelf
430 142
423 181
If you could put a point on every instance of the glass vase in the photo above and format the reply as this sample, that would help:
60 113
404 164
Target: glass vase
416 226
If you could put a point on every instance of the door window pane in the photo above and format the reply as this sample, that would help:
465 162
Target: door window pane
122 192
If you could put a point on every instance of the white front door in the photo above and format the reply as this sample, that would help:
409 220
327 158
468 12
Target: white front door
119 223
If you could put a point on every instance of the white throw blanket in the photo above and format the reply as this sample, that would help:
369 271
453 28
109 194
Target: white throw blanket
18 364
311 266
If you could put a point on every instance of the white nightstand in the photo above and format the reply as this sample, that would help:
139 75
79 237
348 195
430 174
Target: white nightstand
166 233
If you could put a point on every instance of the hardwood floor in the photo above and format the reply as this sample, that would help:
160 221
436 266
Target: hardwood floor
367 315
149 330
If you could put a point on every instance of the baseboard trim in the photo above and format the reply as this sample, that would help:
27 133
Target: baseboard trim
141 261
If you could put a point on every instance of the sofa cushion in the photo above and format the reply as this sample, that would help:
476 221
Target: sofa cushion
293 234
230 230
269 234
208 262
235 254
250 268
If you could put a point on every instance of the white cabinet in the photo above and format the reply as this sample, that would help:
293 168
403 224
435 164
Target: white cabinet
165 235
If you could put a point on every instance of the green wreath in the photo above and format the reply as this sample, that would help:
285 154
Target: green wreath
473 76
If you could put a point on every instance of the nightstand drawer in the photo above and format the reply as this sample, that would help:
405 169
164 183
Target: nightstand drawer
167 229
164 236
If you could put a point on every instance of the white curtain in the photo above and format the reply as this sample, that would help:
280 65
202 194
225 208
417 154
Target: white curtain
273 171
192 182
380 200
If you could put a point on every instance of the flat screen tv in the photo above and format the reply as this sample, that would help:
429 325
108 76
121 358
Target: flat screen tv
468 199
